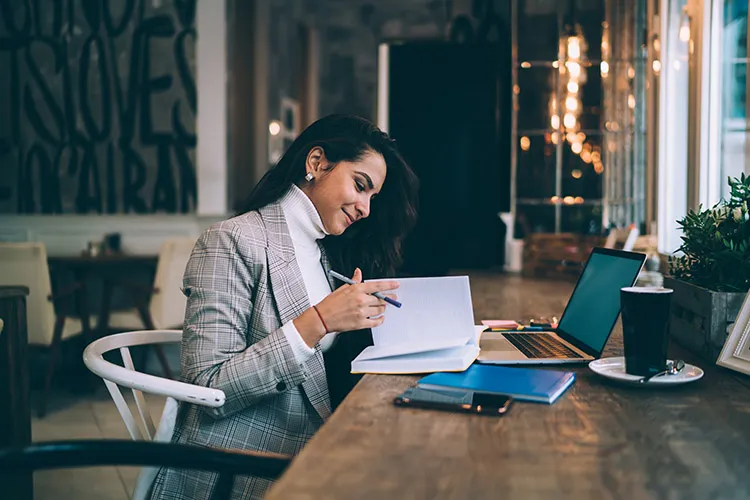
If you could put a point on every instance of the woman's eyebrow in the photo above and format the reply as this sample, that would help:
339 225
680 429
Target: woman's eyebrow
367 178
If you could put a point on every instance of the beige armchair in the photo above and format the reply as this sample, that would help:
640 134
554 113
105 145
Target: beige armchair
26 264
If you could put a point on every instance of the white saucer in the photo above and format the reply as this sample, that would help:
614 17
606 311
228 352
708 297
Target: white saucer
614 369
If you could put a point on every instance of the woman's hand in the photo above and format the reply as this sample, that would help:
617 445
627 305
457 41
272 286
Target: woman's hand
352 307
349 307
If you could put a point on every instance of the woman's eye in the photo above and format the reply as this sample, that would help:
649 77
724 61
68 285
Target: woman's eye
360 186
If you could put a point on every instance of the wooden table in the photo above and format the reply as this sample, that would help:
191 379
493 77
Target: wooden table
15 413
114 270
599 440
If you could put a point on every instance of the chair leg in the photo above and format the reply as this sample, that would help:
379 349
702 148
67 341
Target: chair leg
53 355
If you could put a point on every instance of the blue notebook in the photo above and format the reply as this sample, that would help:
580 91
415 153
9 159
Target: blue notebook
524 384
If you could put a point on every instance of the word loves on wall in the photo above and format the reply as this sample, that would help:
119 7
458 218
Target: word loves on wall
97 106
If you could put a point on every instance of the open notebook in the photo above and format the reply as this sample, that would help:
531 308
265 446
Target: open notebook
433 331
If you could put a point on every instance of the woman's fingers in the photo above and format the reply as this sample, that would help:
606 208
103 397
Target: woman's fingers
376 310
357 276
373 322
378 286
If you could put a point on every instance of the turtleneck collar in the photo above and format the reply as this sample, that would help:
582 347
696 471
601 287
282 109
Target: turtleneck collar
305 224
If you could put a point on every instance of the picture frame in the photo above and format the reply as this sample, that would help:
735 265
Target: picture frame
735 354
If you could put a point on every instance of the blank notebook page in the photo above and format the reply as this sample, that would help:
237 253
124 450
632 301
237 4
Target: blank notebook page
434 309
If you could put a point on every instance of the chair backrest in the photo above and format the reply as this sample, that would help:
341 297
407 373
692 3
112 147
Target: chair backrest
26 264
622 239
167 306
104 452
126 376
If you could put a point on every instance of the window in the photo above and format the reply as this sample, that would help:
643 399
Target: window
703 107
728 91
674 102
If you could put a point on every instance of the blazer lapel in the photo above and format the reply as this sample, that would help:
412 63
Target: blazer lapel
290 295
327 266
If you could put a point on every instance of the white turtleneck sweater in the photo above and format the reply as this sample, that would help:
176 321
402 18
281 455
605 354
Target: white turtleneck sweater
305 229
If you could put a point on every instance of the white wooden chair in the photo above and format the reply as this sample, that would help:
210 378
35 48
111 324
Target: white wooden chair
26 264
114 376
622 239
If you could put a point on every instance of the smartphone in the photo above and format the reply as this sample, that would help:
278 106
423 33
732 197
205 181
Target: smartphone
450 400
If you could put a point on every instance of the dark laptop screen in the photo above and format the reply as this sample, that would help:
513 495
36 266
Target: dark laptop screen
593 308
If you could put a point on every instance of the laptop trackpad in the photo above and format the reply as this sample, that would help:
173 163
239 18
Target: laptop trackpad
495 347
498 343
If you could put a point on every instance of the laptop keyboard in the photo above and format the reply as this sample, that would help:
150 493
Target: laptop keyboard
540 345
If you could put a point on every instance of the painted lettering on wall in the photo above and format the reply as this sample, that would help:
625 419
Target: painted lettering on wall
99 107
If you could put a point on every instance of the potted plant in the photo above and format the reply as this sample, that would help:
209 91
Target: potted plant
710 274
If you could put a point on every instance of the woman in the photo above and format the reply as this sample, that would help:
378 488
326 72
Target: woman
260 308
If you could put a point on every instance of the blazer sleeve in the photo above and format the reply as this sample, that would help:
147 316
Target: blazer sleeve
215 352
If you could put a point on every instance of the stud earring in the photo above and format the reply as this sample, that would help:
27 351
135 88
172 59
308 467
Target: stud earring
309 177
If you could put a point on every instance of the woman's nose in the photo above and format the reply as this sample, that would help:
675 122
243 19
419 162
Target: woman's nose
363 207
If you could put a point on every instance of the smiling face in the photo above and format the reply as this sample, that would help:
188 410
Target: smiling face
342 195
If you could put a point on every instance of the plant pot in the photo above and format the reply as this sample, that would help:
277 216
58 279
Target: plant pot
701 318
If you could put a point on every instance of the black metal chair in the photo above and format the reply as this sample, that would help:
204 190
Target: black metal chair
109 452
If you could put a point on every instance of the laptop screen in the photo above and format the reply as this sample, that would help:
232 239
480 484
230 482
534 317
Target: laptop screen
595 303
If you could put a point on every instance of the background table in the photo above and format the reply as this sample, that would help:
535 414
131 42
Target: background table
599 440
15 413
115 271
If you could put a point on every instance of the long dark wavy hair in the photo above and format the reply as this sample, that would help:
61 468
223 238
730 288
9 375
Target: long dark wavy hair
373 244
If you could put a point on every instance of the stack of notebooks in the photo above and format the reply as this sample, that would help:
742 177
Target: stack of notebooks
524 384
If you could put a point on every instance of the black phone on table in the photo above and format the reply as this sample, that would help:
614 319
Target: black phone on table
455 400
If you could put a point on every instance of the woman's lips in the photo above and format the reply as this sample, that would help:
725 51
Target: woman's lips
348 217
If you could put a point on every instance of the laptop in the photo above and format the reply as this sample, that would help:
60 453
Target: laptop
586 323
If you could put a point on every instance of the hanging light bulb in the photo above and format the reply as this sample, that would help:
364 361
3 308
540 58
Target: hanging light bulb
573 87
571 103
685 32
569 120
574 68
604 67
574 47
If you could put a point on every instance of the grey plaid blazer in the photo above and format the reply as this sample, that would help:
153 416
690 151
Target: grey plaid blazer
242 284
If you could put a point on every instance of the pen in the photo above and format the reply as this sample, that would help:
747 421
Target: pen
379 295
520 328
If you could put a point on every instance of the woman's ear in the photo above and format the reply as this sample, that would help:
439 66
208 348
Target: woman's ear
316 161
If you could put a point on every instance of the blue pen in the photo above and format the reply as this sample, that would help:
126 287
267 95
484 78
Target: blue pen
349 281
